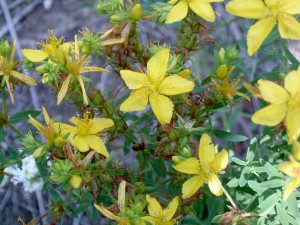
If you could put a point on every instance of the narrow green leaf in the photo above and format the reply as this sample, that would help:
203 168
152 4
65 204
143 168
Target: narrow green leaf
228 136
271 170
23 115
251 150
244 176
273 183
233 183
265 206
282 214
239 161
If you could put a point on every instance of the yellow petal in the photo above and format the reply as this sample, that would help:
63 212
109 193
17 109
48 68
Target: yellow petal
191 186
134 80
292 82
206 149
63 90
174 85
46 115
171 209
107 213
121 196
292 123
96 143
203 9
10 89
100 124
270 115
289 27
220 162
84 95
27 80
214 185
254 9
149 219
185 74
81 143
137 100
162 107
112 41
178 12
35 123
290 188
188 166
154 207
272 92
287 168
258 33
291 7
92 69
158 64
34 55
296 150
74 120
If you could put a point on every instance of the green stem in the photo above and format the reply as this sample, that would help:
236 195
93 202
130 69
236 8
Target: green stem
229 197
4 103
211 127
16 130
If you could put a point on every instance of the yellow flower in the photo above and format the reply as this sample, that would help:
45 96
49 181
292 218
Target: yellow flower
122 219
285 104
269 13
85 134
48 48
159 216
75 66
7 69
205 169
291 169
55 133
202 8
153 87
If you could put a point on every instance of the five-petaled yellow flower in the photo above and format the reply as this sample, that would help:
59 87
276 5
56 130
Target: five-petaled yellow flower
122 218
85 135
154 87
269 13
205 169
54 132
159 216
285 104
291 169
202 8
8 71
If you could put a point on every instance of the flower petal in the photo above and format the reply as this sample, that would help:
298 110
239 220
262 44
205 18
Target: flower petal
121 196
292 123
96 143
289 27
158 64
81 143
27 80
206 149
254 9
34 55
174 85
292 82
100 124
134 80
171 209
162 107
188 166
214 185
272 92
154 207
258 33
75 120
107 213
149 219
137 101
203 9
63 90
191 186
287 168
290 188
84 95
92 69
270 115
46 115
291 7
178 12
220 162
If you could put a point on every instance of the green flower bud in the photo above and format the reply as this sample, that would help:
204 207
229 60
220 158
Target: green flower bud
222 72
137 12
39 152
75 181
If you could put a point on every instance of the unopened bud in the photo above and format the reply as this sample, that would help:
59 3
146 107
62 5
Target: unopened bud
39 152
75 181
222 72
137 12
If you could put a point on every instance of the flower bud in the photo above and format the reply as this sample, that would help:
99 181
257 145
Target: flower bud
39 152
75 181
116 18
221 54
222 72
137 12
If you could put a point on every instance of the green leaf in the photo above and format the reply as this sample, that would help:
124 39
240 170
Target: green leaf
233 183
282 214
238 161
255 186
271 170
2 133
251 150
244 176
228 136
265 206
54 194
23 115
289 55
273 183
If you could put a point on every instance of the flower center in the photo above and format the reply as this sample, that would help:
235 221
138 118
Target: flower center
294 103
205 170
84 125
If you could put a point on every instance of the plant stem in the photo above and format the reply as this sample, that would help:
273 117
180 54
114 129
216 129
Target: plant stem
211 127
4 103
229 197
